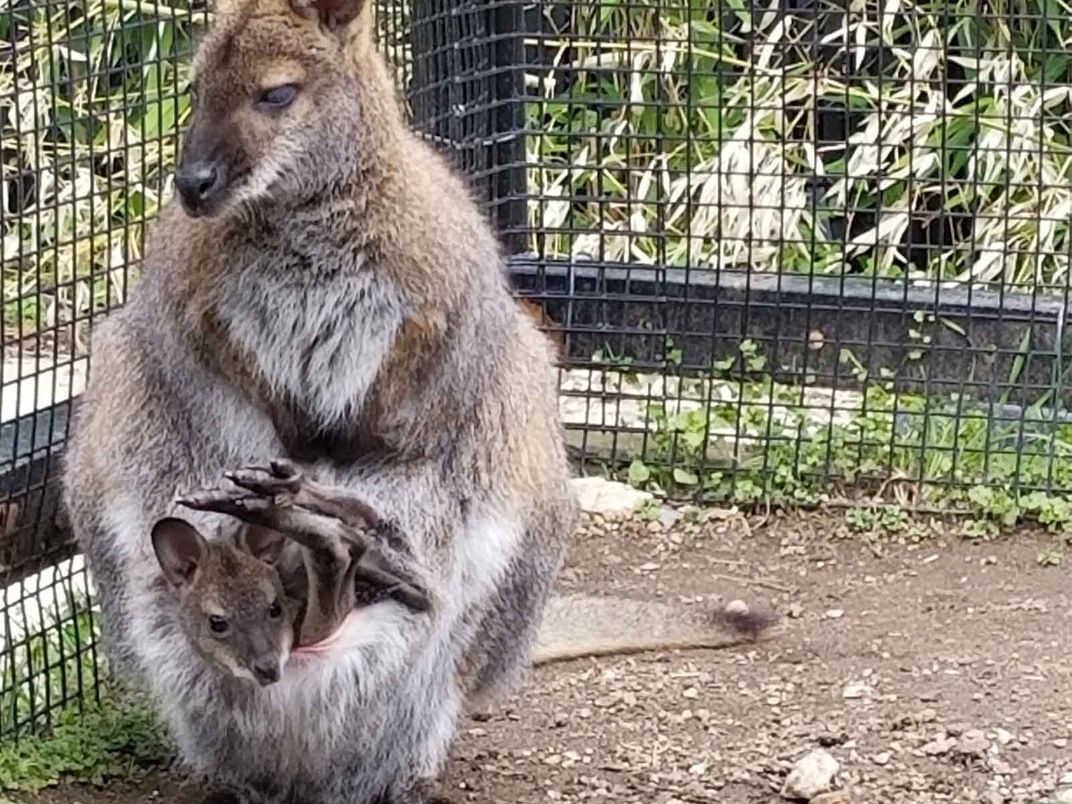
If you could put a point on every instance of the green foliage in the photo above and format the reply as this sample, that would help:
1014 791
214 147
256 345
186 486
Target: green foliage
56 673
705 112
767 441
878 518
701 150
639 473
53 665
117 740
649 510
93 99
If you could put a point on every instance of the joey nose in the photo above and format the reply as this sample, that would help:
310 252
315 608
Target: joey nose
198 185
266 672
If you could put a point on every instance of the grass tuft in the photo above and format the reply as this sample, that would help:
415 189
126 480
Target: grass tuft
117 740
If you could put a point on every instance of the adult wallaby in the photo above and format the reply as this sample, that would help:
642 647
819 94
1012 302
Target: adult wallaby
325 292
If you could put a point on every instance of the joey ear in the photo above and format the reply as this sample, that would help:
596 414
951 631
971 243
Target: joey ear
179 548
263 543
334 15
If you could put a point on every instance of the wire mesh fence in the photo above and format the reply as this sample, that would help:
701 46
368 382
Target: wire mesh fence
820 250
796 251
91 97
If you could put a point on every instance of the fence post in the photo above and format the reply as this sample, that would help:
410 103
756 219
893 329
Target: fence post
467 98
510 190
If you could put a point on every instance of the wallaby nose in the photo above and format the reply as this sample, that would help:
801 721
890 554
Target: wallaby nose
266 672
197 184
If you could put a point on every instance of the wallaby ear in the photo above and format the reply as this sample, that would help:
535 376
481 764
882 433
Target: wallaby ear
263 543
180 549
333 14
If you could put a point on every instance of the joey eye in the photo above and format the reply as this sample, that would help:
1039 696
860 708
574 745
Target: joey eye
276 98
217 624
276 611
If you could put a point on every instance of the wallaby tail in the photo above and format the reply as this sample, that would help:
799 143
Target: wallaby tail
575 626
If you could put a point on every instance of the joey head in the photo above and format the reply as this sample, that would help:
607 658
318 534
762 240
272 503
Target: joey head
232 603
238 605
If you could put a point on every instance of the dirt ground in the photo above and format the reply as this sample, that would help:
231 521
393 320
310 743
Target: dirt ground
933 672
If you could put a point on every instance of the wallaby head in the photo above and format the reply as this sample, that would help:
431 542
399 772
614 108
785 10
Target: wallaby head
232 604
276 110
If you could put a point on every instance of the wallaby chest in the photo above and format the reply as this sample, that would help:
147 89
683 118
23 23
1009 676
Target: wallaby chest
314 334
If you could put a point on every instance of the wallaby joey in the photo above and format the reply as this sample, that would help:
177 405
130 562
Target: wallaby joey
331 528
232 604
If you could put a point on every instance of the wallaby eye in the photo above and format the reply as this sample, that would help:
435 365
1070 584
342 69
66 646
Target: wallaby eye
275 611
217 624
277 97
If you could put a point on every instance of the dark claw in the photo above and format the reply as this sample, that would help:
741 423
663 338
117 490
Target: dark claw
392 586
411 597
284 469
235 504
279 477
278 468
255 481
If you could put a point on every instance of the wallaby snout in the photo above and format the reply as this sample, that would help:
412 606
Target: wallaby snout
200 184
211 156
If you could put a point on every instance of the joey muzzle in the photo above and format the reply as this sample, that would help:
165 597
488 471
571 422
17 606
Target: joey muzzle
266 670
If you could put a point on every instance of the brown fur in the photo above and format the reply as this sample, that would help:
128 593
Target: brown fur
551 328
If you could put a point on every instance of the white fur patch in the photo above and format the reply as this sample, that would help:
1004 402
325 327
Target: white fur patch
256 187
325 364
484 551
377 628
124 518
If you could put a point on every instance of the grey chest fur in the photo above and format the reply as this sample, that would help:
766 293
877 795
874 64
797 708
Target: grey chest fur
317 335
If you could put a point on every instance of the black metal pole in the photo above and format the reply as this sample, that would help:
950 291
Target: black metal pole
509 180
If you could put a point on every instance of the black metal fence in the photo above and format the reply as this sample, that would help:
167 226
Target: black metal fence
799 251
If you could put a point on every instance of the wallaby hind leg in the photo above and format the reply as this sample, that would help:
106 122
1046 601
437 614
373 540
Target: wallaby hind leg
331 523
287 486
319 517
283 480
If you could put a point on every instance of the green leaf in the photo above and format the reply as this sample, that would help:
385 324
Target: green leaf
639 473
684 477
981 496
693 439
